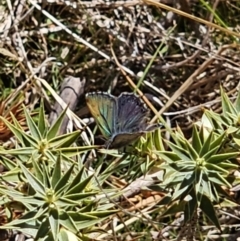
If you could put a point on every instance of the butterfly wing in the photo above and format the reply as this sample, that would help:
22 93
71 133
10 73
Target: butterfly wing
132 114
103 107
132 120
122 120
123 139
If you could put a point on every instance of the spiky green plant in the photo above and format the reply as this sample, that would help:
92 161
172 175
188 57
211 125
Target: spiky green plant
198 173
46 193
228 121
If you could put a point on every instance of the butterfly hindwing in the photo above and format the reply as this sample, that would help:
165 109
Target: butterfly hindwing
132 113
103 108
123 139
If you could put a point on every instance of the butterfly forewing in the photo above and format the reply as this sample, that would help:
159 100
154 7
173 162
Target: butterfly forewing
103 108
132 113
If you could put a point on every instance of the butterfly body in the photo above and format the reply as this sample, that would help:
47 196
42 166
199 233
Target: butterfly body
121 120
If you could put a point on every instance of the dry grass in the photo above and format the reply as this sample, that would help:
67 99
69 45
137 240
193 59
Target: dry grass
78 38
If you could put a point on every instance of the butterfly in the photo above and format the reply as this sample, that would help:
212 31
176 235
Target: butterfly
122 119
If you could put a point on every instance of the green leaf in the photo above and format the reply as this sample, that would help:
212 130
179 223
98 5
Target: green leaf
33 181
21 151
191 151
24 138
218 142
226 121
205 187
62 183
206 145
32 126
53 131
181 153
168 156
18 133
16 123
18 196
79 187
42 127
232 130
79 196
66 221
7 163
208 208
54 223
237 140
65 235
29 217
37 171
173 178
227 105
178 137
217 178
198 179
46 178
229 203
196 139
65 140
222 191
215 120
216 168
218 158
190 207
229 166
158 140
56 176
73 151
78 178
51 155
64 202
237 102
102 214
11 176
210 153
43 229
88 224
78 217
185 187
